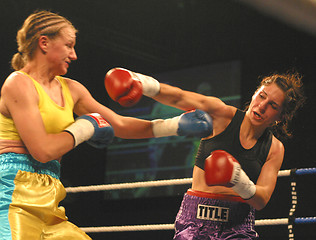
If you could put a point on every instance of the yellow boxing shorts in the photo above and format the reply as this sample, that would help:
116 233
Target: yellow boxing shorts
30 192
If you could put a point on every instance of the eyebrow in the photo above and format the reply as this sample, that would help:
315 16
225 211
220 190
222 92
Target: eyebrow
264 92
273 102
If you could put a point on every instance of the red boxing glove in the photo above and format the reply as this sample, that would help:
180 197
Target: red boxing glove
222 169
219 168
122 87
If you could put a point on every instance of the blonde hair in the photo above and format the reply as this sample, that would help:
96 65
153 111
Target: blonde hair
37 24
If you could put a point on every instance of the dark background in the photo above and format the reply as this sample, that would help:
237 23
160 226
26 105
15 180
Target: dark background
153 36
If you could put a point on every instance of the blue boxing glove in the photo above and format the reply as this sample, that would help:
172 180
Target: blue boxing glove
195 123
92 128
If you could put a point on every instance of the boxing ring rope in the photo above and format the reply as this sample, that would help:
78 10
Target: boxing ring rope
156 227
290 221
160 183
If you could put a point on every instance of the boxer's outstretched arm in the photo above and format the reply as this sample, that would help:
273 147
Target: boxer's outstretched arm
193 123
122 84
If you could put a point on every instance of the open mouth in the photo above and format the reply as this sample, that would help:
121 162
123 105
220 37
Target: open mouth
257 115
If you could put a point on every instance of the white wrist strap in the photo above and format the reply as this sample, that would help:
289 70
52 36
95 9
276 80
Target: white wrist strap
164 128
151 86
242 184
82 130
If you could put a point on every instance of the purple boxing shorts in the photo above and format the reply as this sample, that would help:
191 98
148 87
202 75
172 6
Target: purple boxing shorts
205 216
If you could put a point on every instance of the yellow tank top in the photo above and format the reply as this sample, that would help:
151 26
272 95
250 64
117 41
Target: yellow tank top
55 117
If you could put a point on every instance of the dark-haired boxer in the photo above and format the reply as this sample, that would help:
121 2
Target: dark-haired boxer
252 137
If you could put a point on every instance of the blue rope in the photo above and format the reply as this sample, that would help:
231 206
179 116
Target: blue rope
305 220
304 171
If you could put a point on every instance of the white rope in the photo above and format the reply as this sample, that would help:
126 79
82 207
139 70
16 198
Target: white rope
155 227
284 173
129 228
278 221
157 183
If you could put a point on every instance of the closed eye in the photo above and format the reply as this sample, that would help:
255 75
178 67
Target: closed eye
274 105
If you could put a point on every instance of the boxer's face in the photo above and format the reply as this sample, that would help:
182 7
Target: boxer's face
266 105
61 51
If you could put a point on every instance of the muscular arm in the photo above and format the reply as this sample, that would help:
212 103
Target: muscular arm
124 127
123 86
19 100
187 100
268 176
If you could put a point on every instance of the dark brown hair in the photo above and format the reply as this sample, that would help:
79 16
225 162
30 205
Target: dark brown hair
291 84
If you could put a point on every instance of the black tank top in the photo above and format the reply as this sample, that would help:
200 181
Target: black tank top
251 160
